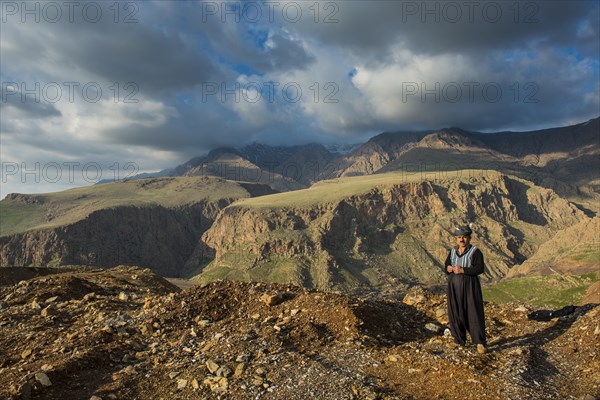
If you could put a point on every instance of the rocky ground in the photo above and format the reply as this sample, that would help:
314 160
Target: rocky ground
126 333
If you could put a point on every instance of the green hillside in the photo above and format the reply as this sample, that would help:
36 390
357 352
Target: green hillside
333 190
552 291
28 212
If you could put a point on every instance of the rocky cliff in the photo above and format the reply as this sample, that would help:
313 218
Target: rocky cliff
156 237
108 230
343 234
575 250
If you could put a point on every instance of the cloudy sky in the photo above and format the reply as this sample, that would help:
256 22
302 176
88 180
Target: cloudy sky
103 89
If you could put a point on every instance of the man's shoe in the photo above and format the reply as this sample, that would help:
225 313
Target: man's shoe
481 349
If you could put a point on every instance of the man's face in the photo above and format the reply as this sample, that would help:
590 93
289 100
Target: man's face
463 241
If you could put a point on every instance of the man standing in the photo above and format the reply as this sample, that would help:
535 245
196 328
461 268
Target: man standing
465 301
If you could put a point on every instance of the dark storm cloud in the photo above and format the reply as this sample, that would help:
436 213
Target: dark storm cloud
192 129
254 46
371 28
25 109
157 60
285 54
542 54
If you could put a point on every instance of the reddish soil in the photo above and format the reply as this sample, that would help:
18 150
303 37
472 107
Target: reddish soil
126 333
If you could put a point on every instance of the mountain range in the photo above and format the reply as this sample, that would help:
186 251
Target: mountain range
377 214
563 159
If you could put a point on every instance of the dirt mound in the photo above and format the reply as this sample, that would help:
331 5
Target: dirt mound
75 283
308 318
126 333
12 275
62 325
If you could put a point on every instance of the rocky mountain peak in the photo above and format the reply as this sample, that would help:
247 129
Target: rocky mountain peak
447 138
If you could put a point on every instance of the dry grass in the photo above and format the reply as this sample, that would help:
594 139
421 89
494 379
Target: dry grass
62 208
333 190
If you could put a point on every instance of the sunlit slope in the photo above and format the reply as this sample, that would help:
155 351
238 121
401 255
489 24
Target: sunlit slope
154 223
20 213
383 229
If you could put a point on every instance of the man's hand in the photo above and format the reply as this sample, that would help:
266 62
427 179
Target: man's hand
455 269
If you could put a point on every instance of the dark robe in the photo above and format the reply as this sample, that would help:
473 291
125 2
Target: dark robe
465 300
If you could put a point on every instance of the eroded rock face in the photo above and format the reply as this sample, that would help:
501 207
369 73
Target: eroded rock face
152 222
406 224
157 237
